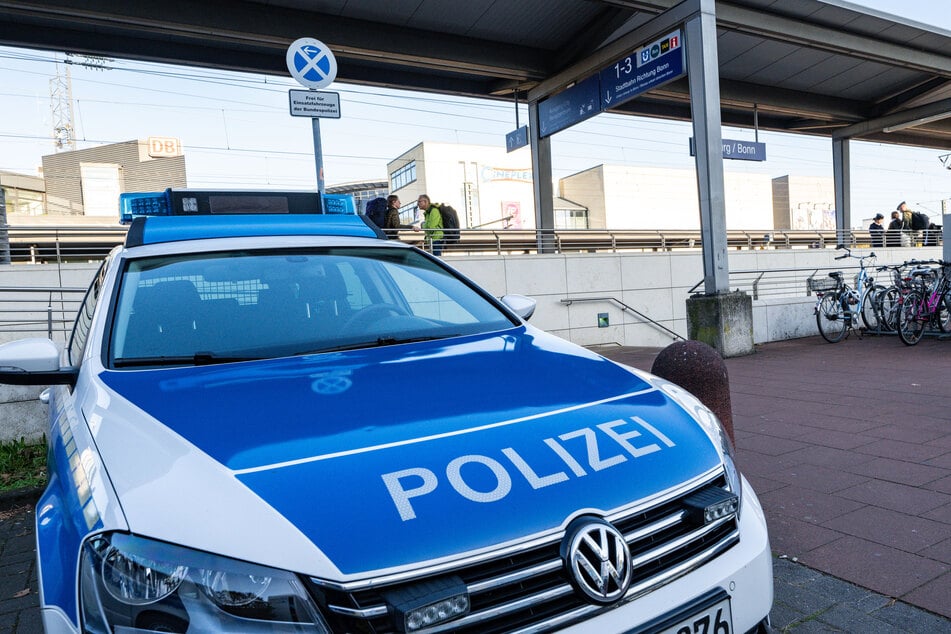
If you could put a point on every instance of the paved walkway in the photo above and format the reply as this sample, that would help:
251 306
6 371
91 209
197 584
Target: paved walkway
849 448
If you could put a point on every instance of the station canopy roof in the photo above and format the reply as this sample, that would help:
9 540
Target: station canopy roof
808 66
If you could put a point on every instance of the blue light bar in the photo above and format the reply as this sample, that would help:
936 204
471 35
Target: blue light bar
339 204
144 204
195 202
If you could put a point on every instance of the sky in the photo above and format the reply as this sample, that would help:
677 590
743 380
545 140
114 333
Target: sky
237 134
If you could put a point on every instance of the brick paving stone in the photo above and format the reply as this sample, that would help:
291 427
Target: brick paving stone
898 497
900 471
940 514
890 528
792 537
816 478
901 450
806 505
943 485
769 445
943 462
934 595
874 566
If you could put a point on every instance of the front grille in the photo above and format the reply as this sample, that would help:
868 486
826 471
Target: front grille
529 591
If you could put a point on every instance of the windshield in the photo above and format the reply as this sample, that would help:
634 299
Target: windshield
240 305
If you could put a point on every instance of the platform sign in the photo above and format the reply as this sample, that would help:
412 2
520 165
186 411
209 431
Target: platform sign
516 138
738 150
569 107
314 103
311 63
650 66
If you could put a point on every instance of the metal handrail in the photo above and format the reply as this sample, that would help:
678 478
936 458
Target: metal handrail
38 310
568 301
29 244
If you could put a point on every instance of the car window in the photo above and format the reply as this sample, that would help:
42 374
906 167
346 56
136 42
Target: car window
227 306
77 339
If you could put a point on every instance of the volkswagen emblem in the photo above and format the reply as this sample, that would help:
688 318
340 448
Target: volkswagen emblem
597 560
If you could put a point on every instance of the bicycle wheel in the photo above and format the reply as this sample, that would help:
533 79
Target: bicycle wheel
870 308
911 323
887 305
830 318
944 312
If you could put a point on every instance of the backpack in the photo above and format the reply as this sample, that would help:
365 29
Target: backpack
919 221
376 211
450 223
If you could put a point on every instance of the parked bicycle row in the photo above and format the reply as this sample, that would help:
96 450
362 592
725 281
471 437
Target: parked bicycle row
915 300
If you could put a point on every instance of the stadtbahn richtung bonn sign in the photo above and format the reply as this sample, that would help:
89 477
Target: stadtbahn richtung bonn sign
650 66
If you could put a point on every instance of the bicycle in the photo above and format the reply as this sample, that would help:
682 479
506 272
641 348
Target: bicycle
838 304
926 304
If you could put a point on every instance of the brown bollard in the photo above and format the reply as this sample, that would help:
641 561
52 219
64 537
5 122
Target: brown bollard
699 369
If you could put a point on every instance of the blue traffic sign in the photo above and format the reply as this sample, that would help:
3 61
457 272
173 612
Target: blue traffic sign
569 107
738 150
311 63
648 67
516 138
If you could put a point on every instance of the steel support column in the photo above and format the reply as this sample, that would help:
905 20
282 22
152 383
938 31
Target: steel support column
703 78
843 189
542 183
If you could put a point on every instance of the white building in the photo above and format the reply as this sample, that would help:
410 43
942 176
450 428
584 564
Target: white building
804 202
487 186
637 197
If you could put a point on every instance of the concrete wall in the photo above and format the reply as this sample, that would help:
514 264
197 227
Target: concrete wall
654 284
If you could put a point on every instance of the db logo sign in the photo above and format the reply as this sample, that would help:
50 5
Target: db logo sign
163 146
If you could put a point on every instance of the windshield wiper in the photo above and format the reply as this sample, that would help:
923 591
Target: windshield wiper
199 358
378 343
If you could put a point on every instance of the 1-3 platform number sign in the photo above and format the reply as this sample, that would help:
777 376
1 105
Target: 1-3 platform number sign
311 63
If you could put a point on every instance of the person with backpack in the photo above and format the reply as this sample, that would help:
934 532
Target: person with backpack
915 222
432 224
375 211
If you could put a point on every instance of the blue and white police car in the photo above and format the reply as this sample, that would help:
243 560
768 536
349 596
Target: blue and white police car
286 423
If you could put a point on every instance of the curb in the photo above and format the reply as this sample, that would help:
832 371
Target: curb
19 497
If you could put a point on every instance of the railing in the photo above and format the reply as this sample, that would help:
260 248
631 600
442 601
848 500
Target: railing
55 245
39 311
80 244
625 308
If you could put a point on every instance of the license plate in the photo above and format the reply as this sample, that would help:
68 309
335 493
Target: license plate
716 619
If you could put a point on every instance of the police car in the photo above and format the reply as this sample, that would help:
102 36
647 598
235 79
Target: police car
287 423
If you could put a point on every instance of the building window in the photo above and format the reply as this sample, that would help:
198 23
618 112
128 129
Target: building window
403 176
571 219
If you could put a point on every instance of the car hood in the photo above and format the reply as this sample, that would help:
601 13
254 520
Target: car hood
388 457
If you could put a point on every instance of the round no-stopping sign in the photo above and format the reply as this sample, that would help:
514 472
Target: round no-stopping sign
311 63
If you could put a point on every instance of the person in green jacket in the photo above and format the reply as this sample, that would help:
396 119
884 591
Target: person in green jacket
432 224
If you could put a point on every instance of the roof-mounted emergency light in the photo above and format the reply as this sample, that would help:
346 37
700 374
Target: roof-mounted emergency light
194 202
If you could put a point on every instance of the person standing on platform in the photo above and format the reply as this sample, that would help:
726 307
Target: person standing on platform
432 224
877 231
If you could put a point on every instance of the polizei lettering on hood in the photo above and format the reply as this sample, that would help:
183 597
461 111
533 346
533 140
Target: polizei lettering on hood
582 451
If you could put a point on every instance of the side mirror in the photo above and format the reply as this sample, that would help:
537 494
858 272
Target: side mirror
522 306
34 361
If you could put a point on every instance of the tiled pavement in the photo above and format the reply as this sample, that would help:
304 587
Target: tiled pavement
849 448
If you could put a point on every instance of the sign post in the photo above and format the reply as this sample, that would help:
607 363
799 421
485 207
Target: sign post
314 66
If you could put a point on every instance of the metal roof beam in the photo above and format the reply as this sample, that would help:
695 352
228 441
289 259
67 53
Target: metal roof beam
824 38
899 120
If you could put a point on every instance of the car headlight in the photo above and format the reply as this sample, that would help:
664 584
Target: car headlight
714 429
134 584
